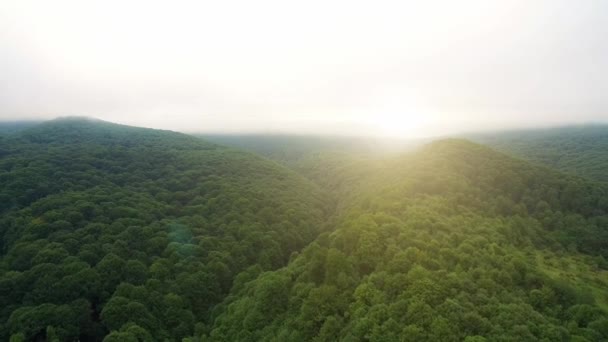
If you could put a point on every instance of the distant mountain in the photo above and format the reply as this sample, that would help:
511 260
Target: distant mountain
580 150
290 149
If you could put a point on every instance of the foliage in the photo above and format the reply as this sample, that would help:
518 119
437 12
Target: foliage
118 233
108 228
580 150
451 243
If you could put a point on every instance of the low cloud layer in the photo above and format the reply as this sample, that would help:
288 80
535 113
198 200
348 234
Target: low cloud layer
348 67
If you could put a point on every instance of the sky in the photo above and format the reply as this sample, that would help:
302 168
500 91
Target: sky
391 68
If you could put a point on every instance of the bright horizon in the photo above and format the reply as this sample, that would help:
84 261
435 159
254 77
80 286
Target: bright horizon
384 68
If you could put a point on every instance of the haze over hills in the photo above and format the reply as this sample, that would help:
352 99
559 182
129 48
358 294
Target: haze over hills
9 127
576 149
119 233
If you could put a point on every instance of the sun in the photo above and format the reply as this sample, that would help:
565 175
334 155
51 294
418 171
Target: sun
401 121
398 113
398 124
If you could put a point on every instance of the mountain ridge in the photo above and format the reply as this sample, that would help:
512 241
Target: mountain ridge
579 150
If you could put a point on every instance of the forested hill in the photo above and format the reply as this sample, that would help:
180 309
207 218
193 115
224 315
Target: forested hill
335 163
580 150
117 233
121 232
454 242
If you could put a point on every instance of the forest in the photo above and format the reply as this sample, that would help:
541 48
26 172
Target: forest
117 233
579 150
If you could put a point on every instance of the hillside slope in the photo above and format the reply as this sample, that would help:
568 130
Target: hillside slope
109 229
454 242
580 150
117 233
334 163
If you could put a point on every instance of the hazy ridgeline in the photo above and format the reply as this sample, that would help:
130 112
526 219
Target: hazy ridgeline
118 233
580 150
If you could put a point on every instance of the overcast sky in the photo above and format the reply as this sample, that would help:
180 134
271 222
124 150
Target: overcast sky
400 68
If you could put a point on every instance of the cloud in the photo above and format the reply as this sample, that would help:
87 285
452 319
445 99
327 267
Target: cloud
318 66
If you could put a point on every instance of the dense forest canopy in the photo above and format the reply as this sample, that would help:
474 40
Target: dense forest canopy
580 150
118 233
454 242
108 228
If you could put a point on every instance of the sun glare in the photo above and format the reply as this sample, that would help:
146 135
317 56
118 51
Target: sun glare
399 124
397 115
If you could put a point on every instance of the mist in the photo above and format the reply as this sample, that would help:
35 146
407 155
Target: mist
397 69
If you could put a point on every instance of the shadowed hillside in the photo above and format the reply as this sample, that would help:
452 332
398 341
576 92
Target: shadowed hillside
110 228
